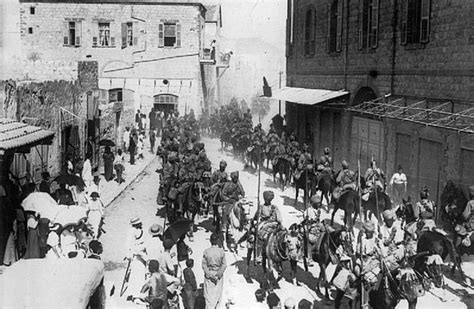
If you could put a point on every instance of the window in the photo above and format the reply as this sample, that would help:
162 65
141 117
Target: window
32 10
30 30
334 31
310 32
415 21
72 33
368 23
115 95
169 35
105 38
129 34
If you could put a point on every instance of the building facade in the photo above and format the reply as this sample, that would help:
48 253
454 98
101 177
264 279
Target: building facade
414 58
148 52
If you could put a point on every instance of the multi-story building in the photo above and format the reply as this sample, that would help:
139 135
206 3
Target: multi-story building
385 80
149 52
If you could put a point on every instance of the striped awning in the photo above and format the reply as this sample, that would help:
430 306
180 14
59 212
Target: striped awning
15 134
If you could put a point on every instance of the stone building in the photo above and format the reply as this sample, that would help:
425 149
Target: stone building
391 81
149 52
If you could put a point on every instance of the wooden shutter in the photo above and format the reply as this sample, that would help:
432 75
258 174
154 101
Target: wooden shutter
328 34
425 21
96 32
78 33
375 24
178 35
404 22
135 33
340 6
161 35
361 24
124 35
66 33
112 33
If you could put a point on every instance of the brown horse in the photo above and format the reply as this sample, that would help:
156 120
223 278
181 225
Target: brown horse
280 246
283 168
349 202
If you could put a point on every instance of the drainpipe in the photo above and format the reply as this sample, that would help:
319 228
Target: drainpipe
394 45
346 45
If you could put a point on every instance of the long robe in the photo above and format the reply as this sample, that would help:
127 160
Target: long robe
94 215
33 242
137 252
108 166
214 265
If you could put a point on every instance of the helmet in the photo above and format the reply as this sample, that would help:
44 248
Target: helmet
345 164
327 150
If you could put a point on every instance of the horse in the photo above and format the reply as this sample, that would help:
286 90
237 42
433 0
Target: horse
254 157
306 184
283 168
280 246
191 200
326 253
237 218
378 202
453 202
431 244
394 287
349 202
326 184
406 212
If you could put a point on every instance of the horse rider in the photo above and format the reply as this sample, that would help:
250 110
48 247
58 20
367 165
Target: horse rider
326 160
279 153
392 235
373 175
304 161
170 174
468 213
272 140
315 228
270 213
218 175
424 211
233 190
347 178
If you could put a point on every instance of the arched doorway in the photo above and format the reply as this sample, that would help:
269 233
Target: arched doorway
367 134
166 103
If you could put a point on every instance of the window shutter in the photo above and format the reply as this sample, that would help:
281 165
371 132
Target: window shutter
404 22
95 39
361 24
178 35
78 33
112 41
135 32
161 35
340 5
124 35
66 33
328 34
425 21
142 35
112 33
313 38
375 23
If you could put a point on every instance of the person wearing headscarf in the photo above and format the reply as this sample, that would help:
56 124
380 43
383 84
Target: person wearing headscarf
213 265
269 211
424 211
137 257
108 157
468 213
391 234
220 175
233 190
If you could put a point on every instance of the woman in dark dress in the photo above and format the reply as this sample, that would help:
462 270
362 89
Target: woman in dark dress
108 164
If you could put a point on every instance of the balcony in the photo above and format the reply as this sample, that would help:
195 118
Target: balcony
207 56
224 60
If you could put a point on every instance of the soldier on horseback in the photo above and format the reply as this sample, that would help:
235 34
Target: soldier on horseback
373 175
304 161
220 175
269 211
347 178
424 211
326 161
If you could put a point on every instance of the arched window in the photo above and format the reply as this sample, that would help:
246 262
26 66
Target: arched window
166 103
334 30
310 32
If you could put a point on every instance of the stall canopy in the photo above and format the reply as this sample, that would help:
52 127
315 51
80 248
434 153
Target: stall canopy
444 115
306 96
15 134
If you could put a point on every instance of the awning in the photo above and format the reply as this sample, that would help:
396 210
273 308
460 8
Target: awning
15 134
306 96
441 115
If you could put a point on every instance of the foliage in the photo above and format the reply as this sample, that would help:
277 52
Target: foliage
260 106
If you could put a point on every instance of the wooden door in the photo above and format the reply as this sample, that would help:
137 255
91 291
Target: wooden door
429 167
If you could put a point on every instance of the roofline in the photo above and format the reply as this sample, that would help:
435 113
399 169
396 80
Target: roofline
127 2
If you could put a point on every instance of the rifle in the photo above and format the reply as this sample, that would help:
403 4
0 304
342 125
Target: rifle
125 278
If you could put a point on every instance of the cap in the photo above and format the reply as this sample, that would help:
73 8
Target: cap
155 229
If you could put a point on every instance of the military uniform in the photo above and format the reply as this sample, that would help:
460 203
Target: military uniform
304 160
346 179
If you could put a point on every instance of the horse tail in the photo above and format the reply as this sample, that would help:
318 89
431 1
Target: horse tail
452 253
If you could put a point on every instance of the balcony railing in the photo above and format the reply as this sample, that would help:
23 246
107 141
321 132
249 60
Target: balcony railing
208 56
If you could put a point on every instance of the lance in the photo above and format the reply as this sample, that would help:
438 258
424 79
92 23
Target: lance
362 294
258 203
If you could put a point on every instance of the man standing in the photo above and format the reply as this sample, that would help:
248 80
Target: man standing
133 146
213 265
152 138
126 139
399 185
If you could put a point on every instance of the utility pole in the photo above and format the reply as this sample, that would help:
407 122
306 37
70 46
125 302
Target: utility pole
279 87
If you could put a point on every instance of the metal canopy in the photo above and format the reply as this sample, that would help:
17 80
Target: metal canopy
440 115
306 96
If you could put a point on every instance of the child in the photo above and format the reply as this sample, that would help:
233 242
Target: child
118 165
190 285
95 247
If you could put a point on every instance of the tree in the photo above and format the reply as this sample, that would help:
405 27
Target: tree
260 106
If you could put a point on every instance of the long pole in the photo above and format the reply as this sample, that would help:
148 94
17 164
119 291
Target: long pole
279 86
258 205
362 294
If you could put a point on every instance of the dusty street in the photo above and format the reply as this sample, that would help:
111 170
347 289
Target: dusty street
139 200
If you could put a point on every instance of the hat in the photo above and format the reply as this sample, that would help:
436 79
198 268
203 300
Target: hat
234 174
168 243
327 150
260 295
94 194
223 163
345 164
315 199
273 300
155 229
369 226
388 215
135 221
268 195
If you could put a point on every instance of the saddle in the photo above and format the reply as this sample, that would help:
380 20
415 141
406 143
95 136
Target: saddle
265 228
